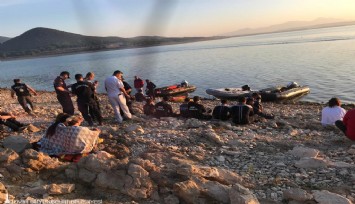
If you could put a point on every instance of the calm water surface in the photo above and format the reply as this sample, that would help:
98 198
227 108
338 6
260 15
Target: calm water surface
324 59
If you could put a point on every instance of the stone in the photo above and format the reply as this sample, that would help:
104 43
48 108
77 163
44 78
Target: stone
308 162
4 196
304 152
110 180
86 176
241 195
32 128
351 151
171 199
193 123
137 171
326 197
39 190
134 128
17 143
8 156
99 162
59 189
212 136
296 194
341 164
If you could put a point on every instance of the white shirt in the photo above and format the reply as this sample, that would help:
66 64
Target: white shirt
113 85
332 114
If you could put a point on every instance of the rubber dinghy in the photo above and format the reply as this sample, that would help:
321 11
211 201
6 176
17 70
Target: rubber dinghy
173 90
277 93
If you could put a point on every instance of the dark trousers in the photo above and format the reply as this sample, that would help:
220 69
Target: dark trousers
84 109
341 126
95 112
12 123
24 100
66 103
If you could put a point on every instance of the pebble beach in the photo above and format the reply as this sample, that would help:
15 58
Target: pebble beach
289 159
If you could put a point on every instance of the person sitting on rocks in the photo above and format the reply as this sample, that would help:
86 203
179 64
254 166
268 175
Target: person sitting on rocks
258 107
140 96
184 108
348 124
221 112
149 107
10 121
69 138
197 110
332 112
163 108
240 113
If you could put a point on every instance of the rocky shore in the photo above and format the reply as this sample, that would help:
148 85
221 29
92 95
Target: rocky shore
290 159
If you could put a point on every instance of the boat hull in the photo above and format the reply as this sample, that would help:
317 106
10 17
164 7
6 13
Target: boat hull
174 90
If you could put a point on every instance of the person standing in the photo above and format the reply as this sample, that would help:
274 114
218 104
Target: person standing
23 93
95 111
129 101
117 95
150 89
138 83
84 91
63 93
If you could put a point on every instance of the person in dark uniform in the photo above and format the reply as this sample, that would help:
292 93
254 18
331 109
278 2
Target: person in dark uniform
10 121
23 93
129 101
84 91
184 108
140 96
240 113
149 107
197 110
63 93
221 112
94 84
258 107
163 109
150 89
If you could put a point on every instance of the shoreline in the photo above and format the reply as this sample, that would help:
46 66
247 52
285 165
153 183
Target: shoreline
176 160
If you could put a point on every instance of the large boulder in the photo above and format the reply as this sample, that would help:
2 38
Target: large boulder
3 193
99 162
138 184
111 180
8 156
308 163
59 189
17 143
38 160
326 197
241 195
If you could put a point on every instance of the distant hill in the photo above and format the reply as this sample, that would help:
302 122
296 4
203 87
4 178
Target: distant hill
45 41
3 39
291 26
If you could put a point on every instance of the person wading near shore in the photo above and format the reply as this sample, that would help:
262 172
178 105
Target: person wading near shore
138 84
23 93
63 93
84 91
96 112
117 95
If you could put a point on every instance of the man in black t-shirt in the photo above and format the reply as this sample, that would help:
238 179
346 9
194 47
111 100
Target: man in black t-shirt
197 110
63 93
221 112
23 94
163 109
84 91
240 113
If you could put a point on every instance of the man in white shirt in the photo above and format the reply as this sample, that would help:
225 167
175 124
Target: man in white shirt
332 112
117 95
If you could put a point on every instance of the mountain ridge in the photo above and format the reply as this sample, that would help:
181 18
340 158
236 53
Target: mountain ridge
46 41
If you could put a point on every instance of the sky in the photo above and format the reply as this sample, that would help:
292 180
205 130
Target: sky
170 18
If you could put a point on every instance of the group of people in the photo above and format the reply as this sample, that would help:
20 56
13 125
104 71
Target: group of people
334 114
242 113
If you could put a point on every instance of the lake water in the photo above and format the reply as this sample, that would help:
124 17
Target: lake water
323 59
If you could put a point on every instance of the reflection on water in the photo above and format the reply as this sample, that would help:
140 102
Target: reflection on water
324 59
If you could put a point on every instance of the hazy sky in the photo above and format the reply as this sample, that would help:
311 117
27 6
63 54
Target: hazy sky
128 18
